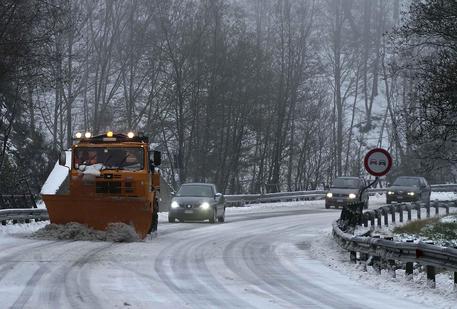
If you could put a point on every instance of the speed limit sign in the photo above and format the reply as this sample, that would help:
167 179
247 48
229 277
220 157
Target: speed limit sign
378 162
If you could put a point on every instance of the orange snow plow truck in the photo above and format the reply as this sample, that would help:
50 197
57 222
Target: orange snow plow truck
112 178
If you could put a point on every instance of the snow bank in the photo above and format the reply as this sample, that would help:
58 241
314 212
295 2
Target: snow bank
116 232
57 176
325 249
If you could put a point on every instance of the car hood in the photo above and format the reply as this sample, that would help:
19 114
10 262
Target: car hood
192 199
403 188
344 190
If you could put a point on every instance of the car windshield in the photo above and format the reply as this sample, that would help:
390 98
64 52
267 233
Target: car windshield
128 158
195 190
346 183
406 182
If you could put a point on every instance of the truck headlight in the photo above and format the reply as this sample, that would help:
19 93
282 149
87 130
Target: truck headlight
330 195
352 195
174 204
204 205
411 193
390 192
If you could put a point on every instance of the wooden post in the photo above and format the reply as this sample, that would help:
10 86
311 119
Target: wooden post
386 217
391 265
431 282
455 281
353 257
409 213
428 210
400 212
409 270
378 213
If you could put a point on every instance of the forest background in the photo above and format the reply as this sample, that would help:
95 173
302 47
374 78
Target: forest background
255 96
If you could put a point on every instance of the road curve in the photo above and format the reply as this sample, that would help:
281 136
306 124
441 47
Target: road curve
255 260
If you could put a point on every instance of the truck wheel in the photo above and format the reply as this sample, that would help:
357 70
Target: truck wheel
213 218
221 219
171 219
155 217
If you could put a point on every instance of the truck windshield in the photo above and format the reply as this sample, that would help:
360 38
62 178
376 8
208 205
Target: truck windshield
195 190
110 157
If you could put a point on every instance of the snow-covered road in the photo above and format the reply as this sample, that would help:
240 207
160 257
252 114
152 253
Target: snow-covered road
261 258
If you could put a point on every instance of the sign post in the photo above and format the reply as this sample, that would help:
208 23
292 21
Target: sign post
378 162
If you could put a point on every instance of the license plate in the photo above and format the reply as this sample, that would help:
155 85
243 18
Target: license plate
188 211
339 201
399 197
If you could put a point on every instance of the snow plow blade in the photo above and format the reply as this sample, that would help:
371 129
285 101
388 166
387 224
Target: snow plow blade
98 212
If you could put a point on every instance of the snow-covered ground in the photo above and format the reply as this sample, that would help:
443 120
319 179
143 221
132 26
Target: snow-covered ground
284 259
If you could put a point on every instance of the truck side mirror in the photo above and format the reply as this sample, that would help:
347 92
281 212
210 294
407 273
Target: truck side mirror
157 158
62 158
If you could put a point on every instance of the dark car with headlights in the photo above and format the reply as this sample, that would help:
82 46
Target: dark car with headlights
345 190
409 189
197 201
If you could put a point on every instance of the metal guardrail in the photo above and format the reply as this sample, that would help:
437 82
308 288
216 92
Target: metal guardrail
243 199
23 215
387 253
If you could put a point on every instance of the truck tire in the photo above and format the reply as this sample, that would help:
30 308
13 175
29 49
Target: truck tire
155 217
171 219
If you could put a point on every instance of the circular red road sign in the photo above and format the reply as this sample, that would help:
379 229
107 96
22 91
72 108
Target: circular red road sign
378 162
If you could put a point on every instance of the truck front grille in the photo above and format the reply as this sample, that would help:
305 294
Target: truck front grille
108 187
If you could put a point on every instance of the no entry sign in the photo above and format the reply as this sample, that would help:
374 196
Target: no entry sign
378 162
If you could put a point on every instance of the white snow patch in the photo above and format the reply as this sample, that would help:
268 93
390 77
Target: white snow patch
57 176
449 219
443 296
116 232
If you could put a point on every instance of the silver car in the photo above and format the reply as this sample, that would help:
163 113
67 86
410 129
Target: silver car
197 201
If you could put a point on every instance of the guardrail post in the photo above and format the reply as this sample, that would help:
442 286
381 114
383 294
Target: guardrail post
353 257
392 211
378 214
391 269
455 281
364 259
431 276
372 217
365 219
409 212
377 264
409 270
386 217
400 212
418 208
447 209
427 208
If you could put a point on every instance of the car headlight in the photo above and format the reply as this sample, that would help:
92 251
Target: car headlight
330 194
390 192
174 204
411 193
204 205
352 195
